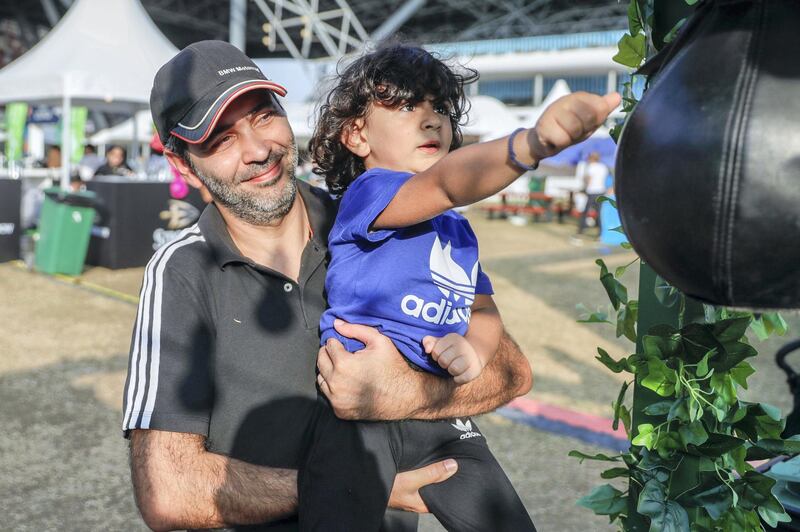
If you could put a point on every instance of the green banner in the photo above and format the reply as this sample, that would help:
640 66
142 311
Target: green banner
78 131
16 117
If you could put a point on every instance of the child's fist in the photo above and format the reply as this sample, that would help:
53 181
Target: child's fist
569 120
455 354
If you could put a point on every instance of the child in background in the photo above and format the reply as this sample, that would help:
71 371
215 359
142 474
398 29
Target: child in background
402 261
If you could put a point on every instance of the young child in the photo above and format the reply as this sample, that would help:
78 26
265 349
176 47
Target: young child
403 262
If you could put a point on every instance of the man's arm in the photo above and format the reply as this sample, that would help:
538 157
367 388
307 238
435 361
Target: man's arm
376 383
178 484
478 171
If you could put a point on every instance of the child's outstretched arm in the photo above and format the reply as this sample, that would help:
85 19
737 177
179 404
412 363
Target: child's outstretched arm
464 357
477 171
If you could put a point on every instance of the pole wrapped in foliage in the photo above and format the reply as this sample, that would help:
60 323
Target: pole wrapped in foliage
691 435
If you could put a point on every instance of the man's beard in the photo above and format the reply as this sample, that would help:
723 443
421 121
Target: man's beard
253 208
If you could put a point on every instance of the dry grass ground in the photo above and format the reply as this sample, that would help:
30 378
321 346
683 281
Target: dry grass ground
63 356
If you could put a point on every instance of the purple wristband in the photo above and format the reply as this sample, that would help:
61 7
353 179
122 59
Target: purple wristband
513 157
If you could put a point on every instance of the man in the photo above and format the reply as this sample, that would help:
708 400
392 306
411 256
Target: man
221 379
595 175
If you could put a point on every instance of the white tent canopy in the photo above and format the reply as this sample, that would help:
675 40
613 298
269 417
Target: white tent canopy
102 53
127 132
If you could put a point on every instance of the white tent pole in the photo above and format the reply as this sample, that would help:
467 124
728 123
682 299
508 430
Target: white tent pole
66 126
237 26
135 146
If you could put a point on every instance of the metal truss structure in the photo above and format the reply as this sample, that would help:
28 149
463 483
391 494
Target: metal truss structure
330 28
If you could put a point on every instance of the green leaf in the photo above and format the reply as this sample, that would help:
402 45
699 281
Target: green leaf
658 409
631 50
665 515
694 433
758 327
772 411
660 378
666 294
740 520
769 323
634 19
604 500
617 293
773 517
615 472
679 410
645 437
626 245
626 320
611 201
723 386
731 330
599 457
754 489
695 409
734 353
618 404
669 37
702 366
616 366
625 417
739 460
585 316
697 340
774 323
667 443
760 420
716 500
718 444
662 341
741 372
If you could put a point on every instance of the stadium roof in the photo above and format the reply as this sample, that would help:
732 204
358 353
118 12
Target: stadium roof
24 22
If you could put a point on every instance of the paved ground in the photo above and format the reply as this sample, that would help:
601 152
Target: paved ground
63 353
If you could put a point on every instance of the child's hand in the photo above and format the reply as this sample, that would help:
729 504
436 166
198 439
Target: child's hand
455 354
569 120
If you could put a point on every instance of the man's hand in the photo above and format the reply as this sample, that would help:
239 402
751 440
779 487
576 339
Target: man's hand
353 382
455 354
405 492
376 383
567 121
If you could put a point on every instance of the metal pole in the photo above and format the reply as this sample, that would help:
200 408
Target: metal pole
135 145
237 25
66 134
397 19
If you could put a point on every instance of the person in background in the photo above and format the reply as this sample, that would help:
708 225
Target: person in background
53 158
90 159
116 163
595 175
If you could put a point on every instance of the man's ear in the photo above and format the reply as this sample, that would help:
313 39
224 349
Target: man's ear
183 168
354 139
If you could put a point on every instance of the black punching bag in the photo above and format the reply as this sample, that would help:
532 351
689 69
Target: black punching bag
708 166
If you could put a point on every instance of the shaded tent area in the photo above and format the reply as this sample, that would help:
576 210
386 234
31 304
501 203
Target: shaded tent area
601 143
102 54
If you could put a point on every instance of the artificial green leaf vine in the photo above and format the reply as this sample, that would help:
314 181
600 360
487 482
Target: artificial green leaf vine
696 371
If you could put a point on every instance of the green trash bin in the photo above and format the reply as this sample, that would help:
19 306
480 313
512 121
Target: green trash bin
65 226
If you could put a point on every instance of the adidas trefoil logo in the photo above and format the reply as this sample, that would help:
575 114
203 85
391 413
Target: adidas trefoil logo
466 428
448 275
454 284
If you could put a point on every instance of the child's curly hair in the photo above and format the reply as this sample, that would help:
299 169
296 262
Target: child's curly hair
392 75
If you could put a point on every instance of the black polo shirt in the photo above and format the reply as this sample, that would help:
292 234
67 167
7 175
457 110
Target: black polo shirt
226 348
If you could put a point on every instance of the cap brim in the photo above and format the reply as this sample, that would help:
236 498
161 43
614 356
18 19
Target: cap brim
200 121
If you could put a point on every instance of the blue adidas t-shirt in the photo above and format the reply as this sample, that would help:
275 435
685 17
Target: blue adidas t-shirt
409 282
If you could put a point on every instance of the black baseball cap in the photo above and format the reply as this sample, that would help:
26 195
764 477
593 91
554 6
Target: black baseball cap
192 89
